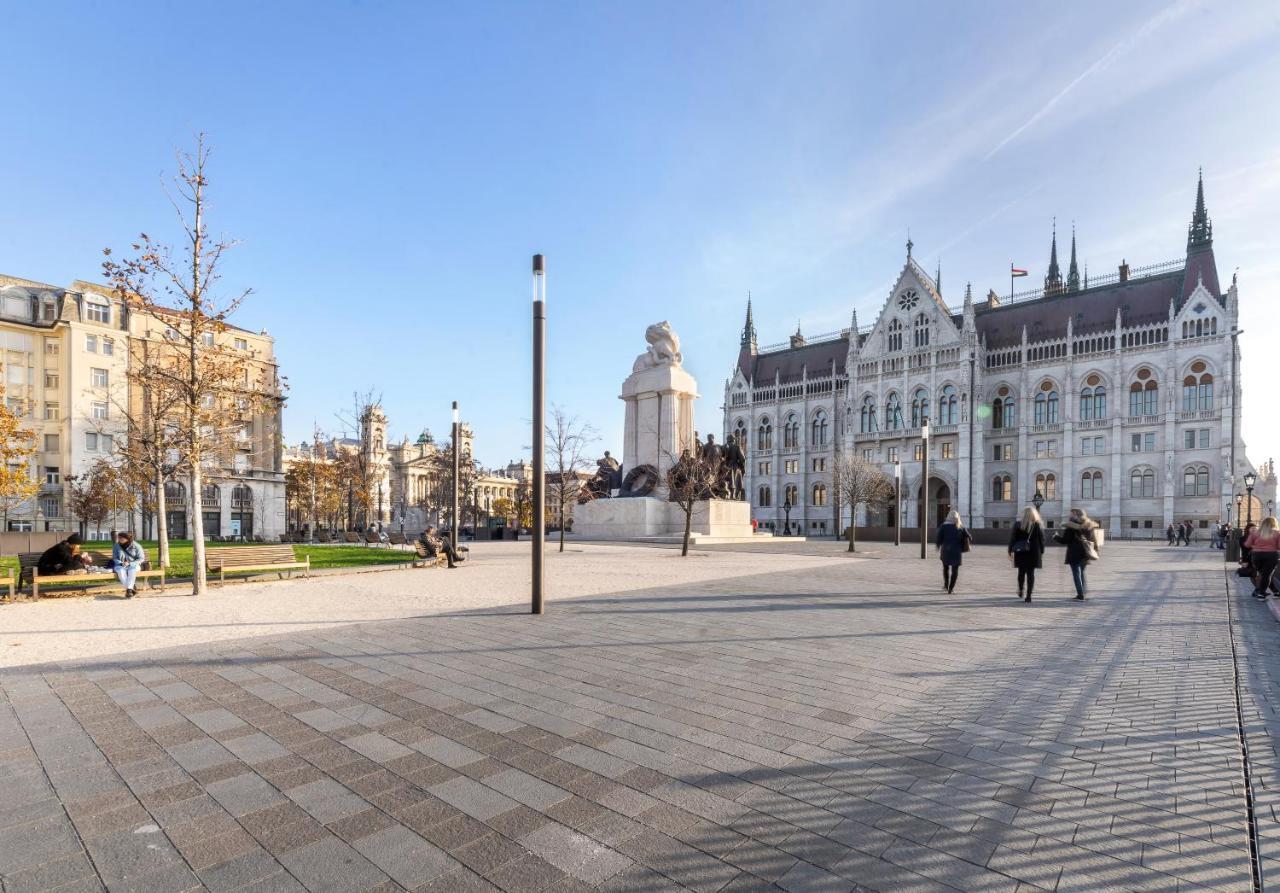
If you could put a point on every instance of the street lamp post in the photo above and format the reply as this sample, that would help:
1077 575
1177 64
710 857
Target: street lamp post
924 488
1249 480
539 482
1239 509
453 497
897 503
786 511
1037 500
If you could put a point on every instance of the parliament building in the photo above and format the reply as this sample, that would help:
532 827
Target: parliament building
1117 393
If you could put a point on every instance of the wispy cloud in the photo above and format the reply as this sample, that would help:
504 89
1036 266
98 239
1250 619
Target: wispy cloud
1150 26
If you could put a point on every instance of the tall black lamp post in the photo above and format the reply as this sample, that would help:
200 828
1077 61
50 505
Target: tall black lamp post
453 497
1239 510
1249 480
786 511
924 488
539 426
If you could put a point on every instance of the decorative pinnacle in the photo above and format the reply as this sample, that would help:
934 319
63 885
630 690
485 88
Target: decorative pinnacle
1200 233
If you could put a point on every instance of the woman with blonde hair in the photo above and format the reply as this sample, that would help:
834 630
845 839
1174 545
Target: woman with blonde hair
1026 549
952 540
1077 535
1264 554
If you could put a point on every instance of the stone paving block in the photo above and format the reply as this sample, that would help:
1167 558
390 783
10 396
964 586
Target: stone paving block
526 789
244 794
404 856
576 854
473 798
376 747
331 866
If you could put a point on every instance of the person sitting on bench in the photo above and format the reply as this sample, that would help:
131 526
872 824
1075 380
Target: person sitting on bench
63 558
437 545
127 559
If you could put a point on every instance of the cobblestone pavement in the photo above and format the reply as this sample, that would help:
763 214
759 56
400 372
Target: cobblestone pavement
839 727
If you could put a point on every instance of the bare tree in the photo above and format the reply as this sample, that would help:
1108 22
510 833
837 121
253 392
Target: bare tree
100 492
691 479
178 290
859 482
359 466
567 443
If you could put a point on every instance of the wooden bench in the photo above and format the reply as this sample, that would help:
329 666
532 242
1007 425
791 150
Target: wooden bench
397 539
270 559
351 537
373 538
11 583
423 559
74 583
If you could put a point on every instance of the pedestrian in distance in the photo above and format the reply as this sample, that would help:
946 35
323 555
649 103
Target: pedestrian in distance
1264 554
127 558
1172 537
1182 533
1082 547
1026 549
953 539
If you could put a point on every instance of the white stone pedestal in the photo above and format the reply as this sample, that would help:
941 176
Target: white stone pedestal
651 518
659 418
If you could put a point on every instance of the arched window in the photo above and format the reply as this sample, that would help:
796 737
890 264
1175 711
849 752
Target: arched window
791 433
766 496
1195 480
895 335
211 495
1142 483
1093 401
1091 485
1042 408
1047 485
241 497
948 405
1144 395
1197 390
740 433
791 494
893 413
1002 410
818 429
920 333
919 408
868 416
764 435
819 495
175 492
1002 488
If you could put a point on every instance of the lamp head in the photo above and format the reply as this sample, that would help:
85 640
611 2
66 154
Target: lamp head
455 412
1249 480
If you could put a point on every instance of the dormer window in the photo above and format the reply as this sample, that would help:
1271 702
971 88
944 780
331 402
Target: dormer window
97 310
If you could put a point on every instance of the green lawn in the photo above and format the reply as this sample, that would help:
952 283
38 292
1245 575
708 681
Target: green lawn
321 556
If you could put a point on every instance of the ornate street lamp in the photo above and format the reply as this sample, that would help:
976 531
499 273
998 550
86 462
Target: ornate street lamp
1249 480
1239 509
786 510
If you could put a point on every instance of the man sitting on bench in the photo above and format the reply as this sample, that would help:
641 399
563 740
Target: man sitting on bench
438 545
63 558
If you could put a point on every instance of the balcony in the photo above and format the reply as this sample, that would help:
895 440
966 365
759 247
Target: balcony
1047 428
1094 423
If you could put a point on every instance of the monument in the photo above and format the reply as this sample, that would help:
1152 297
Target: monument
634 501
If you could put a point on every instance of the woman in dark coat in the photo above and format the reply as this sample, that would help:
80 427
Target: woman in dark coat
952 541
1026 549
1082 546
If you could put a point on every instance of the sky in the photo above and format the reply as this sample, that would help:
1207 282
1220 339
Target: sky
389 168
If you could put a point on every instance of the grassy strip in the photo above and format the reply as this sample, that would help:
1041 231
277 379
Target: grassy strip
180 562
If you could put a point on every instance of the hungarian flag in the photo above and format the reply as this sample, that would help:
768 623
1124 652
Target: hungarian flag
1015 272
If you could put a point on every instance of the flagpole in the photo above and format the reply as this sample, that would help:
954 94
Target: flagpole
1010 282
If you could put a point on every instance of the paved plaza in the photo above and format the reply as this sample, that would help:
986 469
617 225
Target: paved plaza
741 720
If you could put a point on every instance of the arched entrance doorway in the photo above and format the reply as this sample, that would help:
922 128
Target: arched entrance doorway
939 502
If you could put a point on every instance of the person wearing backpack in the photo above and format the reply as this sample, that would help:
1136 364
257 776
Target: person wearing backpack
1026 549
1082 547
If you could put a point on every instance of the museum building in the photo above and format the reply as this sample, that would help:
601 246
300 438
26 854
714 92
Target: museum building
1117 393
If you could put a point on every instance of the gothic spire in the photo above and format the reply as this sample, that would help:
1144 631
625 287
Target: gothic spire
1073 272
937 279
1200 233
1053 279
749 328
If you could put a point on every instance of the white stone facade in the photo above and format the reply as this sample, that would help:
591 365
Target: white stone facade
1125 396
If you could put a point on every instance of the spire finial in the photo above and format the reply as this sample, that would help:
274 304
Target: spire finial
937 279
910 244
1053 279
1073 271
749 328
1200 233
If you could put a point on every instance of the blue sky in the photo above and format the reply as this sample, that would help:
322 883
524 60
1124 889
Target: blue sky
390 168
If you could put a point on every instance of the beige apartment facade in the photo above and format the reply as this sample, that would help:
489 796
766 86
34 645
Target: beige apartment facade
66 364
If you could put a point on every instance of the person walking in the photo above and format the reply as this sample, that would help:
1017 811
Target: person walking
1172 537
127 558
953 539
1078 536
1026 549
1182 534
1264 554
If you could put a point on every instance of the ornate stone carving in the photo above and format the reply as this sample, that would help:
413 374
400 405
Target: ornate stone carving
663 349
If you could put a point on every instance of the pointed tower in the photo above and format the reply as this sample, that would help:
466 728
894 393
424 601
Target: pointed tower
855 348
970 320
1201 267
937 278
748 346
1053 279
1200 232
1073 271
